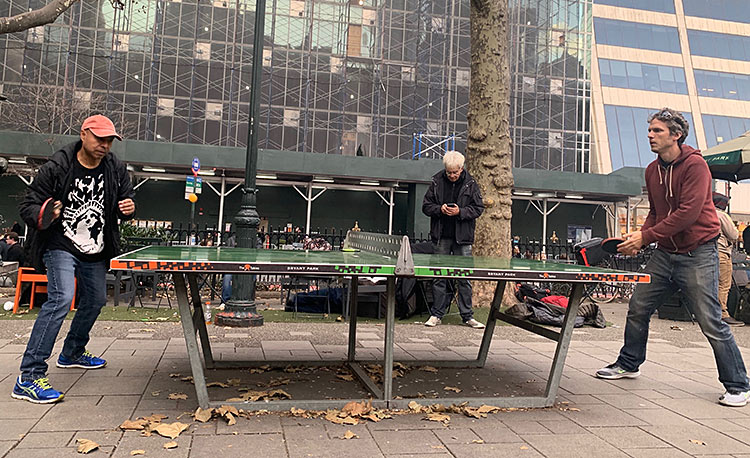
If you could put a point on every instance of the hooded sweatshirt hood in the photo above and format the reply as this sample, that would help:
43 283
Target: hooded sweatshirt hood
682 214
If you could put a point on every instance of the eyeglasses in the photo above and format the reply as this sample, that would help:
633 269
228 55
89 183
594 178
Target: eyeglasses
664 114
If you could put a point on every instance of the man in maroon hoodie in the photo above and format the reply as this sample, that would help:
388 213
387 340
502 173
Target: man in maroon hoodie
683 223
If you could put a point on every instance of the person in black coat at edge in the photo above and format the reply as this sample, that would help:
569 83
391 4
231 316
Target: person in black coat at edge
453 203
91 190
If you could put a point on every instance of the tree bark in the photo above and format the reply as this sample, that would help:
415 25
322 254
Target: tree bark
489 154
30 19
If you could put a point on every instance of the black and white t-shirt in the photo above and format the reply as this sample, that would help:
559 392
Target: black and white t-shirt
81 229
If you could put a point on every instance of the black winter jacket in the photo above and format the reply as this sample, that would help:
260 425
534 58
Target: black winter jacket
53 180
469 202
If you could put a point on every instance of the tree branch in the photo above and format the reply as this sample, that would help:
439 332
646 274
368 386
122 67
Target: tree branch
45 15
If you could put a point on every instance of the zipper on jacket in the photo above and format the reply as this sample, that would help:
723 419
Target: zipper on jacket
669 204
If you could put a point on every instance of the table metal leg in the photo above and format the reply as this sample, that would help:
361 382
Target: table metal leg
563 343
188 328
353 320
200 320
497 301
390 319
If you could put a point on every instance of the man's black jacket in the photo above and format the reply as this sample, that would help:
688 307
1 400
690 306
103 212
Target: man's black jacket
53 180
469 202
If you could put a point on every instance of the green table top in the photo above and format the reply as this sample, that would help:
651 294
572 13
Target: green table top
358 263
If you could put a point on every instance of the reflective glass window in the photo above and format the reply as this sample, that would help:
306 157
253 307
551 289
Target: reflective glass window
720 45
634 35
661 6
722 128
722 85
724 10
637 75
627 129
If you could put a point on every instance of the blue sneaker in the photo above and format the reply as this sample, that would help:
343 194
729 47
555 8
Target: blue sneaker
85 361
38 391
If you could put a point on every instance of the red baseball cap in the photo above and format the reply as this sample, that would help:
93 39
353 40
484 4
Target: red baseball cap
101 126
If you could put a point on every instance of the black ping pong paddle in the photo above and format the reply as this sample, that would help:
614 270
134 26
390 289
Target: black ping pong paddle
47 213
610 245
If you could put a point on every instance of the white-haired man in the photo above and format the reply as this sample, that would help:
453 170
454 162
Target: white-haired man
453 203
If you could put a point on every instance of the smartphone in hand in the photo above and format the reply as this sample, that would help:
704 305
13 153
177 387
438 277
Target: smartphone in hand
452 205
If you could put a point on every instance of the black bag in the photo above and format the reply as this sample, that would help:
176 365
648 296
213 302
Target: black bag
590 253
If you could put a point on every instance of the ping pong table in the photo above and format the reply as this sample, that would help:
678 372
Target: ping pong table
366 254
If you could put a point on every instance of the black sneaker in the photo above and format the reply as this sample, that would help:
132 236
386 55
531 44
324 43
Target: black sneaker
614 372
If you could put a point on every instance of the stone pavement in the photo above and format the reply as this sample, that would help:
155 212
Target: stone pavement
670 411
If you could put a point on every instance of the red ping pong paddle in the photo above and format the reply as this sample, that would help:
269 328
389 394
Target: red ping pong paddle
47 213
610 245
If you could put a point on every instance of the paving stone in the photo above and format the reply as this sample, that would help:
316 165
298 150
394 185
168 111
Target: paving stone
492 451
46 440
70 416
255 424
239 446
67 452
659 417
109 385
15 429
697 408
656 453
627 401
456 436
563 427
154 446
15 409
722 425
5 446
604 415
108 437
276 345
716 442
406 441
628 437
571 445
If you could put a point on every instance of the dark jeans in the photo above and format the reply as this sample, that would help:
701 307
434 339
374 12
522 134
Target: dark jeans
697 274
226 288
62 269
442 298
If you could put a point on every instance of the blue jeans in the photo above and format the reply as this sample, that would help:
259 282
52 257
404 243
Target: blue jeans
697 274
226 288
62 269
442 297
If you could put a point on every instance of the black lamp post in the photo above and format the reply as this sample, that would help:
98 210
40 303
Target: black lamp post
241 309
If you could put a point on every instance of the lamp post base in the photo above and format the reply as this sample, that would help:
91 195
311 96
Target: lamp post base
239 314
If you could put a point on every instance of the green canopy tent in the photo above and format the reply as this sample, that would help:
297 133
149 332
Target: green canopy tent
730 160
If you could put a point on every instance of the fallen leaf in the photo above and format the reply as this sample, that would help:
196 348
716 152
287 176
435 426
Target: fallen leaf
189 378
523 447
202 415
86 446
171 430
107 327
137 452
233 382
155 418
169 445
225 409
452 388
574 409
441 417
176 396
675 328
173 375
429 369
697 442
346 377
477 441
219 384
230 419
155 393
292 369
339 318
356 409
488 409
134 425
349 435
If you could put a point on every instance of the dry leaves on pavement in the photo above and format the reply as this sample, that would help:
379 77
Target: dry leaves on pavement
170 445
86 446
349 435
137 452
177 396
171 430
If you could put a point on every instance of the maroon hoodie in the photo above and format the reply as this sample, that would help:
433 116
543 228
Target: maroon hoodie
682 214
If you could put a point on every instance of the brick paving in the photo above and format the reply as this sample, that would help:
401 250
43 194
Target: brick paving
670 411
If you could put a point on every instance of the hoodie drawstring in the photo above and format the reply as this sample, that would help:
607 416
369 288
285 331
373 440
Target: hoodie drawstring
671 171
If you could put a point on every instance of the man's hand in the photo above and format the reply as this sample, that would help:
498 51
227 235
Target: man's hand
127 206
632 244
450 211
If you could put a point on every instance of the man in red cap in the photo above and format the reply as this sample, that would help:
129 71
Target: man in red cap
91 190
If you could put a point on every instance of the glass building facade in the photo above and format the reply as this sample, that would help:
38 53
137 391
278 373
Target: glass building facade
357 77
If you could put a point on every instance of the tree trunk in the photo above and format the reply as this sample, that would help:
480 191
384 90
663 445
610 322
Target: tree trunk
30 19
489 155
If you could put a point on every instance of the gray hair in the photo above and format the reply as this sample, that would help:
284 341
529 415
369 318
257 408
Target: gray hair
453 159
674 120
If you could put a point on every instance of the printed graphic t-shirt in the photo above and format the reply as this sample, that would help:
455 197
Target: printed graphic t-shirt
81 229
